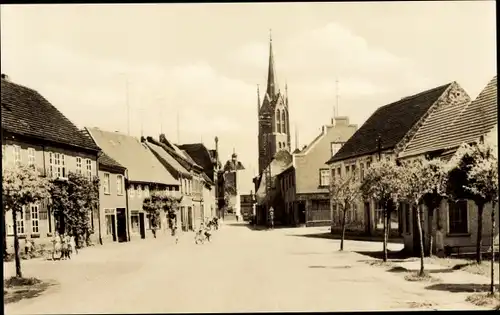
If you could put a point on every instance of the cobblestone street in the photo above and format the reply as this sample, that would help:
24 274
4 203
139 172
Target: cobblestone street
241 270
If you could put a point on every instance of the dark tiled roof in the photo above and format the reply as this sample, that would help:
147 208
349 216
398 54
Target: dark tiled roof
106 160
391 122
200 154
478 118
26 112
431 131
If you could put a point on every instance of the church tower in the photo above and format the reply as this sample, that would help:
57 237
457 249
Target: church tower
274 119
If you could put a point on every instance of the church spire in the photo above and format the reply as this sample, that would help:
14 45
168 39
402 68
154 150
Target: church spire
272 86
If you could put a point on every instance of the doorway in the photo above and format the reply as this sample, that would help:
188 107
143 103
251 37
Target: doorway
368 216
190 219
121 222
142 227
302 212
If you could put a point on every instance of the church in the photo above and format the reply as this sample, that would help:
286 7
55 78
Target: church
273 139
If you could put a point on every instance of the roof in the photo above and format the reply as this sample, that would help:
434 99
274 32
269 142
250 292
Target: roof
391 122
430 133
106 160
178 153
163 154
200 155
26 112
477 119
141 163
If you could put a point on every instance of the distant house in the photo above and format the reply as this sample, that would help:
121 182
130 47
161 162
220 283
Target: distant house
455 224
304 184
113 200
145 174
208 161
267 190
383 136
35 132
246 206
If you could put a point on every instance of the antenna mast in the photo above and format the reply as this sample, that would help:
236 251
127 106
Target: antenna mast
336 109
127 103
178 133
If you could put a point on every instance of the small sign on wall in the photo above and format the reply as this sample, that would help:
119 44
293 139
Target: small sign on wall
109 211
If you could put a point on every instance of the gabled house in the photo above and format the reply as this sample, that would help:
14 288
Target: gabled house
145 174
207 160
304 184
113 220
455 223
35 132
267 189
192 188
232 185
383 136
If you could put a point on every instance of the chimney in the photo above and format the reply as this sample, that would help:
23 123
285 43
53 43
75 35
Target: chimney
143 139
5 77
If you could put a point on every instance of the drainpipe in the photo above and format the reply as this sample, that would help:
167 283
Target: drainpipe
127 210
98 202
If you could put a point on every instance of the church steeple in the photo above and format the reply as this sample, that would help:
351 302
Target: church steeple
272 84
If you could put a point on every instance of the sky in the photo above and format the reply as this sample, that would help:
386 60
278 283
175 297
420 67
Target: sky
192 70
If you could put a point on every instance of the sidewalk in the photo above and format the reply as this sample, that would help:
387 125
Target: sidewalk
452 286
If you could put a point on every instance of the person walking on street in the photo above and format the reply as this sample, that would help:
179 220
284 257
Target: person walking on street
271 218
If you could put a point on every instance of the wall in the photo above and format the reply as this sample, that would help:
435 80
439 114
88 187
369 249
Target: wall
42 164
109 201
308 164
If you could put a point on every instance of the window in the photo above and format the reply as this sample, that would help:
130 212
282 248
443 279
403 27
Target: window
279 145
134 220
362 173
335 147
339 171
324 177
31 156
278 123
57 165
119 185
353 169
20 222
109 224
368 165
17 154
34 218
79 165
139 191
458 217
89 167
146 191
105 183
347 170
283 129
131 191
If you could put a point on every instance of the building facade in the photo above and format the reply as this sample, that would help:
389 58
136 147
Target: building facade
376 139
454 224
113 220
305 182
145 175
34 132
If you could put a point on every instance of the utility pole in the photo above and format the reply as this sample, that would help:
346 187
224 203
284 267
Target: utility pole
178 132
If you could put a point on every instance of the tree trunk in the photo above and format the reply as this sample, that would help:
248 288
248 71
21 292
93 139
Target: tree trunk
344 215
479 242
19 274
421 240
430 226
385 234
5 253
492 239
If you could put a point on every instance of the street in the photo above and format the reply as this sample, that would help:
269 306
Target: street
241 270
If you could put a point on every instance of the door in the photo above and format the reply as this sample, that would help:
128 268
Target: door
121 224
113 227
368 216
190 219
142 227
302 212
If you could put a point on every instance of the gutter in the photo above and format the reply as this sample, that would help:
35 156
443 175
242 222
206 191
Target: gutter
127 210
98 203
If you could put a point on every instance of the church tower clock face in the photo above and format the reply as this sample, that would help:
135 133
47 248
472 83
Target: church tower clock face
274 124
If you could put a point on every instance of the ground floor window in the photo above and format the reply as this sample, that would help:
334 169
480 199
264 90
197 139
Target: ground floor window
320 210
20 222
109 219
379 216
34 218
458 217
134 222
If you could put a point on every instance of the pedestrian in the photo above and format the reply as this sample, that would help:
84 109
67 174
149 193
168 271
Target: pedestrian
73 244
271 218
